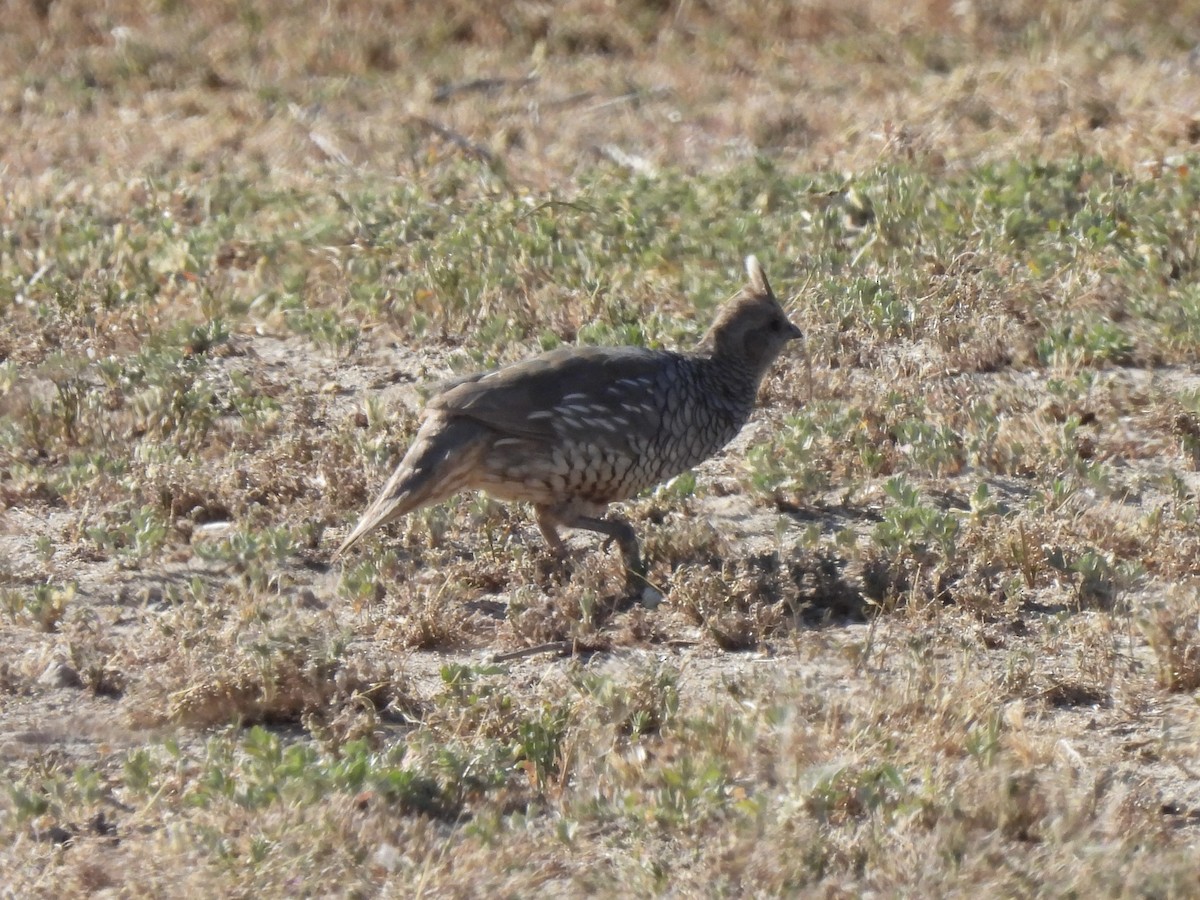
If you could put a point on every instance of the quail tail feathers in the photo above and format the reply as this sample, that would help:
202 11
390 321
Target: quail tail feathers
439 464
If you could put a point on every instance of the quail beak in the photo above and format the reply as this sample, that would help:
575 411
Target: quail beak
794 333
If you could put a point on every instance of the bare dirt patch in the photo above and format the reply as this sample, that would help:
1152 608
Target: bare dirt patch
930 624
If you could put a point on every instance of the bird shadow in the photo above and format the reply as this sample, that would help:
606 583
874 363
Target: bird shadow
827 515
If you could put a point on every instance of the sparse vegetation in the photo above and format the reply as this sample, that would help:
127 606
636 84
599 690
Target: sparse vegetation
931 627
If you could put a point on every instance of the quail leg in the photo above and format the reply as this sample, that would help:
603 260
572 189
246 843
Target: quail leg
636 586
621 532
612 527
548 526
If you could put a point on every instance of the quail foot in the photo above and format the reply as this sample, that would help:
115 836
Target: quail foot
578 428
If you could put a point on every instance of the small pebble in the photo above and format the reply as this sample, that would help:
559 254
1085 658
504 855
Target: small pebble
59 675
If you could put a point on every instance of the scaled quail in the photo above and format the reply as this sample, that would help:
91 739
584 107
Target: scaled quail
578 428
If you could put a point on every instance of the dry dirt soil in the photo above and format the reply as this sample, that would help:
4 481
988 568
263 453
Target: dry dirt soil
930 626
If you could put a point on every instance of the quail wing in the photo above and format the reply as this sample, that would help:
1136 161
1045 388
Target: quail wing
596 392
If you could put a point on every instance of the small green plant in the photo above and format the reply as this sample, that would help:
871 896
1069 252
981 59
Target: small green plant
134 537
1096 576
254 553
256 408
45 605
983 506
173 400
1096 579
931 449
1093 343
140 772
364 583
914 528
791 460
44 547
983 740
324 328
538 745
852 793
638 706
681 487
687 791
87 469
1054 496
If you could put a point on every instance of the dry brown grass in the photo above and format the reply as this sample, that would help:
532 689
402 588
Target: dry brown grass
930 626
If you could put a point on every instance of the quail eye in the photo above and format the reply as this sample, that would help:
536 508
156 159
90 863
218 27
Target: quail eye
776 325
